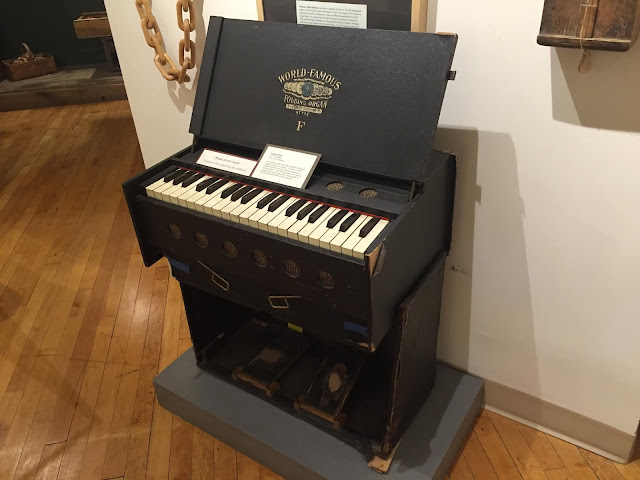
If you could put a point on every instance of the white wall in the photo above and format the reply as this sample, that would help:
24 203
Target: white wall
162 110
543 295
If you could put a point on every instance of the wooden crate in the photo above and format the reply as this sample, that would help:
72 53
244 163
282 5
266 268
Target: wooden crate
43 64
92 25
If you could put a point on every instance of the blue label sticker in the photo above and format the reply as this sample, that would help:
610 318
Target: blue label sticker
354 327
175 264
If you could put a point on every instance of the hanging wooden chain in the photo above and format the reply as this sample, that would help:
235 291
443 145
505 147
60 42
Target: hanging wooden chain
153 37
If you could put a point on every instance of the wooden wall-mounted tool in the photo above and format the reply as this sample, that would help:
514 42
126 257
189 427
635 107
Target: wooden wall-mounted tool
590 25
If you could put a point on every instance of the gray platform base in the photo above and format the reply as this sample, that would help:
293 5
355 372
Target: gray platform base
297 450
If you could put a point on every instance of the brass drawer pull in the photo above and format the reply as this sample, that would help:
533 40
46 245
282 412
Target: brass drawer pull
284 298
217 279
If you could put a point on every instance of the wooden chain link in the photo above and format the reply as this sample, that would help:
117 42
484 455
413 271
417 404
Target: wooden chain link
152 35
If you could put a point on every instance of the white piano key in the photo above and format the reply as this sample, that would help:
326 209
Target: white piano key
206 198
157 192
253 209
191 201
365 243
254 220
325 240
213 206
338 240
202 201
190 191
283 228
352 241
175 194
166 193
280 216
150 188
322 229
231 206
303 235
234 215
163 194
295 229
263 222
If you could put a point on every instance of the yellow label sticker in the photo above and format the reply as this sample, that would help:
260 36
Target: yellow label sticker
295 327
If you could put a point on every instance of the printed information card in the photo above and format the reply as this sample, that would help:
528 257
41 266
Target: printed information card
330 14
227 162
286 166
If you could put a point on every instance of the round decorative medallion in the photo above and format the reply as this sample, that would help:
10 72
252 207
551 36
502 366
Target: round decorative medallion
291 268
202 240
368 193
260 258
174 231
230 248
326 280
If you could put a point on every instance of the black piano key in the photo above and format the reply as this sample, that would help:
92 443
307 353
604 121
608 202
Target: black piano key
306 210
277 203
231 190
368 227
333 221
241 192
216 186
201 186
192 180
251 195
263 202
181 178
317 213
174 174
297 205
349 221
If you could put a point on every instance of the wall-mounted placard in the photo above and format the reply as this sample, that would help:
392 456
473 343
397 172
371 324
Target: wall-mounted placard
381 14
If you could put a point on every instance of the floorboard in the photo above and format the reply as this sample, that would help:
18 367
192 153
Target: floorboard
85 327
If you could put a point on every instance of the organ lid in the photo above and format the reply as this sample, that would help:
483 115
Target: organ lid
367 100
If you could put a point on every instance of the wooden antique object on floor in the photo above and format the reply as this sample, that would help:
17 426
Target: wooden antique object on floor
324 301
29 65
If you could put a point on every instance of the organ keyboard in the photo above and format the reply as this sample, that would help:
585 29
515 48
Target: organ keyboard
340 230
326 299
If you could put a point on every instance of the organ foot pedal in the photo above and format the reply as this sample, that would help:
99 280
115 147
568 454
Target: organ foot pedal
274 360
332 385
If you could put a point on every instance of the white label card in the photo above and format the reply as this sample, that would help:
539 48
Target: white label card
329 14
286 166
227 162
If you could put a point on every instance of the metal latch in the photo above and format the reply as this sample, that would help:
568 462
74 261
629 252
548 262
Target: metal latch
285 301
217 279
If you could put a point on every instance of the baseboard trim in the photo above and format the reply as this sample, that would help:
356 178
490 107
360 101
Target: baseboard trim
582 431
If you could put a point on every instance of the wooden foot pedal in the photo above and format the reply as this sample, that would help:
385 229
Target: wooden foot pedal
332 385
277 356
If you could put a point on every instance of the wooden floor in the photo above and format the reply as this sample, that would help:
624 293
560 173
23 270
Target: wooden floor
84 327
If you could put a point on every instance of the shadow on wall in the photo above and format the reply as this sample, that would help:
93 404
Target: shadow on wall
606 97
487 313
184 95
